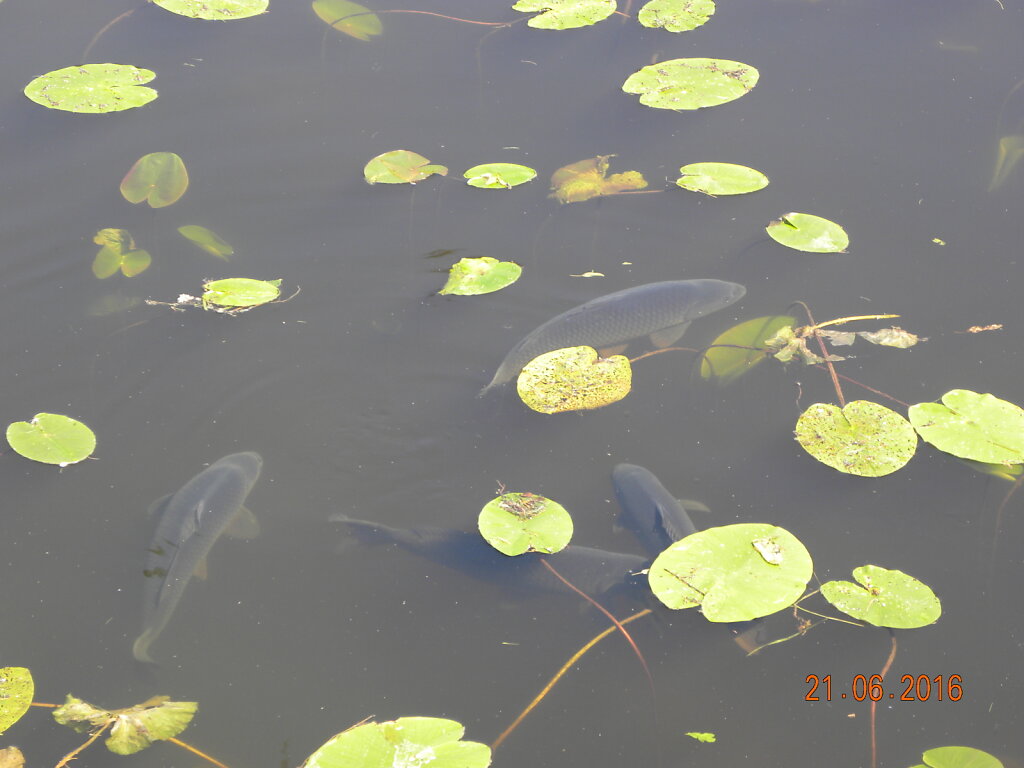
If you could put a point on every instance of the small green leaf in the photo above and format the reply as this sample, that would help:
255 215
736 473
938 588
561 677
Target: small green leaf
740 348
704 738
208 240
958 757
863 438
240 292
972 426
887 598
135 262
676 15
515 523
350 18
400 166
691 83
11 757
16 692
160 178
588 178
221 10
473 276
565 14
118 252
573 379
499 175
721 179
805 232
52 439
93 88
733 572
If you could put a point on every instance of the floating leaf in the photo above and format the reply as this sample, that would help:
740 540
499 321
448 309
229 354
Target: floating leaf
691 83
208 240
574 379
350 18
726 359
240 292
159 178
585 179
16 692
958 757
721 179
118 253
52 439
565 14
221 10
804 232
891 337
93 88
725 571
676 15
499 175
11 757
515 523
972 426
409 742
704 738
132 729
400 167
863 438
473 276
886 599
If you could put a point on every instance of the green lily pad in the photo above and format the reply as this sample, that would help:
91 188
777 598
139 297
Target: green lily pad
972 426
588 178
93 88
515 523
728 362
691 83
52 439
16 692
208 240
574 379
409 742
221 10
240 292
160 178
676 15
813 234
350 18
704 738
886 599
118 253
473 276
864 438
132 729
499 175
733 572
721 179
958 757
565 14
400 166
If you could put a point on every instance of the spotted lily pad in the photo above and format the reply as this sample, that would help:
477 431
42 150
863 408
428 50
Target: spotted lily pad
400 167
588 178
240 292
350 18
499 175
885 598
805 232
160 178
515 523
721 179
676 15
132 729
52 439
485 274
972 426
691 83
574 379
16 692
863 438
208 240
93 88
215 10
740 348
565 14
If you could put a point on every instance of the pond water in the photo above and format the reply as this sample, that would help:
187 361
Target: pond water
359 393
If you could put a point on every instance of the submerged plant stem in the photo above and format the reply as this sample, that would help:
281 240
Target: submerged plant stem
824 354
874 704
196 752
74 753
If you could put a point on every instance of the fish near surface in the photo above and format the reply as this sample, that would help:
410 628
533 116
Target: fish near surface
659 310
189 523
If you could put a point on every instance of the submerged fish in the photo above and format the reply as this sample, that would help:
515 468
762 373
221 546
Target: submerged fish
649 512
659 310
190 521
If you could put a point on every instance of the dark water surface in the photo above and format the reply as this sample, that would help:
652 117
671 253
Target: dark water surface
360 393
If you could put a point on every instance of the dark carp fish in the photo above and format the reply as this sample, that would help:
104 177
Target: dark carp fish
189 523
661 311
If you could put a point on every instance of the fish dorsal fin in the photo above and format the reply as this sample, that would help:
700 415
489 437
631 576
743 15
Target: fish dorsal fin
156 509
201 571
668 336
618 349
243 525
692 505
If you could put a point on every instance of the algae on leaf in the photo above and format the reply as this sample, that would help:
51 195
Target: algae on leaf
588 178
676 15
691 83
565 14
474 276
806 232
400 166
515 523
93 88
574 379
160 178
350 18
885 598
215 10
16 692
972 426
51 438
862 438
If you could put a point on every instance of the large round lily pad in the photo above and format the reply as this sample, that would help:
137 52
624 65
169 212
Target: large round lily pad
574 379
733 572
52 439
499 175
93 88
16 692
515 523
409 742
691 83
160 178
972 426
958 757
565 14
240 292
216 10
676 15
806 232
863 438
721 179
885 598
485 274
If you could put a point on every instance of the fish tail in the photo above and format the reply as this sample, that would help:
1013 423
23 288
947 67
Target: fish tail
368 531
140 648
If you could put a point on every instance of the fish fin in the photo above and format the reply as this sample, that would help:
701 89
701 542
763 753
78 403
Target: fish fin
156 509
666 337
200 571
140 648
692 505
618 349
243 525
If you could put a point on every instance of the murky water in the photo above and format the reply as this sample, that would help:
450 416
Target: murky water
360 393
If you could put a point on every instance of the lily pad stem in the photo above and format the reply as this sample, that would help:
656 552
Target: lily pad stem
874 704
74 753
824 354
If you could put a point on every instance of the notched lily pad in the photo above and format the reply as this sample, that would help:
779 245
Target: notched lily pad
741 348
574 379
160 178
565 14
400 166
721 179
16 692
971 426
691 83
676 15
588 178
208 240
93 88
51 438
485 274
132 729
515 523
499 175
350 18
885 598
118 253
215 10
863 438
809 233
